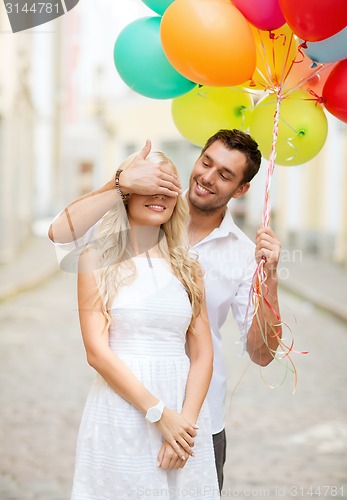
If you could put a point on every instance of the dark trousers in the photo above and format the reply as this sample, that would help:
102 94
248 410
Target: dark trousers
220 446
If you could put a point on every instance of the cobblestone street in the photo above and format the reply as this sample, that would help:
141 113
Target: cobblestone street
279 445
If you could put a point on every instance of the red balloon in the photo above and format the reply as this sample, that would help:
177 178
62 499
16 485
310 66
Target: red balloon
334 91
315 20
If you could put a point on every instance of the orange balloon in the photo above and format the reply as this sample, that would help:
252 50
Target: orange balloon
208 42
276 51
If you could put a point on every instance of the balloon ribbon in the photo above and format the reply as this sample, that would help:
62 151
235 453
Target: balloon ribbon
259 290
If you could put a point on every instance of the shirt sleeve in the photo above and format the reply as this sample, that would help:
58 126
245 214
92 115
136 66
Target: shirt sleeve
242 306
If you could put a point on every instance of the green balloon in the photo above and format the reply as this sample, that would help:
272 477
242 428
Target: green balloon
142 64
203 111
159 6
302 129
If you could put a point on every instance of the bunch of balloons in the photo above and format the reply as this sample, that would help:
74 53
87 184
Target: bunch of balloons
215 58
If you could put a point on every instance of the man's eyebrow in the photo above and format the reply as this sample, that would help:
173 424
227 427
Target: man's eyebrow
230 172
207 157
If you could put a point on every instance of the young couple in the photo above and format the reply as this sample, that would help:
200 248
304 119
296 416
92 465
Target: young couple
157 273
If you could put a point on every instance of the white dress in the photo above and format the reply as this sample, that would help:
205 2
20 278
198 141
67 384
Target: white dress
117 448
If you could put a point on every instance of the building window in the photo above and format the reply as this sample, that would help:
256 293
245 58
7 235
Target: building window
85 175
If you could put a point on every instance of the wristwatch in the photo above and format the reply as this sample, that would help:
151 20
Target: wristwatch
155 412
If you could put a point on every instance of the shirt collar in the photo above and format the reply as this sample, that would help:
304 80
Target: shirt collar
226 228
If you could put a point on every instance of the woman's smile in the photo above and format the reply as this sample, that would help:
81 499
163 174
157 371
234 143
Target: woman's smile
156 207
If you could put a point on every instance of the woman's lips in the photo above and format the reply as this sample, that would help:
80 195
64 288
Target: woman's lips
156 208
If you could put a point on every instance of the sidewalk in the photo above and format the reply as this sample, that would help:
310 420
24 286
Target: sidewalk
34 265
317 281
277 443
313 279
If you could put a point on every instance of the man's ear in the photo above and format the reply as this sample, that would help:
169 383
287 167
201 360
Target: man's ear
242 190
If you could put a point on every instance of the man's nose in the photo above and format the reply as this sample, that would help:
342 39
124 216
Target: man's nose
209 176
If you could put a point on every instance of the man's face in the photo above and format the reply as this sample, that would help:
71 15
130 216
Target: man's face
217 176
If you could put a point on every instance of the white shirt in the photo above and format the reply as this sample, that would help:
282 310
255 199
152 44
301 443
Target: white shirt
227 256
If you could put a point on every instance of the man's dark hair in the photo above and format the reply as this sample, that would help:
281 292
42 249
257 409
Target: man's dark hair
236 139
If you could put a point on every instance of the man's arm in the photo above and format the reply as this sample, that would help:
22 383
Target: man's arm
261 352
141 177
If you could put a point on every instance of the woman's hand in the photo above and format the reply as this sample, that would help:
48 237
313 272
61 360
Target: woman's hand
177 431
168 458
143 176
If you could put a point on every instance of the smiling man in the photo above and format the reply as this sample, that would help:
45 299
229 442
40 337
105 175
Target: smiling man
224 169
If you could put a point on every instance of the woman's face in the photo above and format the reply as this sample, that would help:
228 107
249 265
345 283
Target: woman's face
150 210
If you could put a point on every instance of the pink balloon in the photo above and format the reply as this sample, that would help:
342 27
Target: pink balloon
263 14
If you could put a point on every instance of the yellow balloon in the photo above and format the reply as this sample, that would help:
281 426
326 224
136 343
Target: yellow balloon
204 110
276 51
302 130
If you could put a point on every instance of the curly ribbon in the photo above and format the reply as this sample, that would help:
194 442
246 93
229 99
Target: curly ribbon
290 139
261 304
241 110
302 45
272 82
271 167
259 293
257 296
262 55
318 71
317 98
288 71
259 290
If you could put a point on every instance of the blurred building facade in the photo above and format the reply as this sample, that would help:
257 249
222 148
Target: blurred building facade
85 121
17 118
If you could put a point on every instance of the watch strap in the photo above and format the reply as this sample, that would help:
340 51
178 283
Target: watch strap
158 407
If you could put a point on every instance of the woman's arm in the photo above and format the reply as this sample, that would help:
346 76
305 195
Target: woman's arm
142 177
201 364
175 428
200 349
75 220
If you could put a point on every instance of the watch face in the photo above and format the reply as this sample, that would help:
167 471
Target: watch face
154 414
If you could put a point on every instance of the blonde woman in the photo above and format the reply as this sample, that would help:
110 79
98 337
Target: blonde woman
145 430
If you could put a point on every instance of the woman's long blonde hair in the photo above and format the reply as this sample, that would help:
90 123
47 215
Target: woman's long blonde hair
114 247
